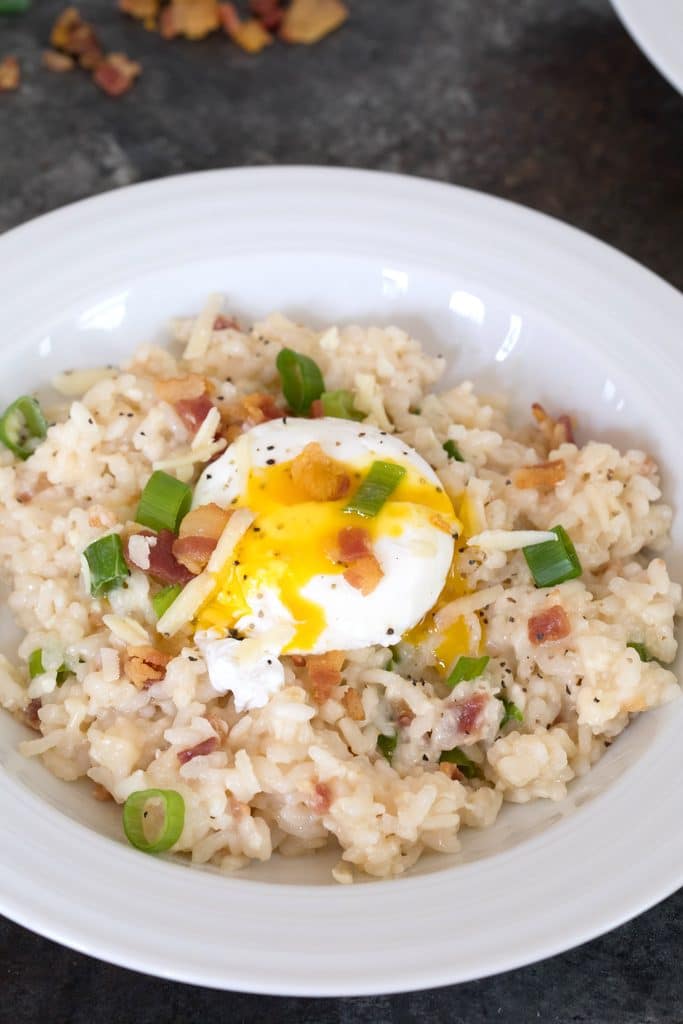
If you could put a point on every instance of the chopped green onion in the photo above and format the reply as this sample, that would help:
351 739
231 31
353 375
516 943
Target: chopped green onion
511 712
164 502
162 601
35 667
153 819
14 6
394 659
107 565
467 669
452 451
22 426
456 756
553 561
382 480
642 651
340 404
301 379
387 746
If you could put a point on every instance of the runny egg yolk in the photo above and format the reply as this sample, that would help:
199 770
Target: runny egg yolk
294 539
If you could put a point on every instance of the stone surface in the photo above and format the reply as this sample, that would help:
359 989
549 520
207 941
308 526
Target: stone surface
548 104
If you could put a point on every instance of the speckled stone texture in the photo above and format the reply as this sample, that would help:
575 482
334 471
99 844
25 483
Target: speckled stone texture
547 102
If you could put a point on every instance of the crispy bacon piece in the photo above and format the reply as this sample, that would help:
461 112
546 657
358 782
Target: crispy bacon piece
549 625
543 475
10 74
556 431
364 574
76 37
194 552
317 411
55 61
268 12
354 543
249 411
163 565
353 705
193 411
405 715
143 10
251 35
205 521
308 21
324 673
298 660
193 19
115 74
199 750
175 389
468 712
145 665
321 799
223 323
320 477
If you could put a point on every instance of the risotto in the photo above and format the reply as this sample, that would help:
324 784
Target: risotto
279 591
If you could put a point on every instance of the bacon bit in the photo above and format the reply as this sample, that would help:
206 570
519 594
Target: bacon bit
353 705
77 38
364 574
468 712
145 665
55 61
308 21
116 74
10 74
452 771
193 411
250 410
321 799
324 673
251 36
224 323
205 521
101 794
268 12
193 19
298 660
317 411
144 10
320 477
405 716
200 750
555 431
549 625
30 714
168 26
354 543
175 389
162 562
194 552
543 476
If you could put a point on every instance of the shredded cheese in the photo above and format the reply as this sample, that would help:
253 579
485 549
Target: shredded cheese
467 604
200 335
233 531
189 457
509 540
207 429
126 629
74 383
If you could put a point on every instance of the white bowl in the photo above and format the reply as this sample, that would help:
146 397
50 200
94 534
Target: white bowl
657 27
518 301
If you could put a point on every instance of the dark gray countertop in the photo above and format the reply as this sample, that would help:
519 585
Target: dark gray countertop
549 104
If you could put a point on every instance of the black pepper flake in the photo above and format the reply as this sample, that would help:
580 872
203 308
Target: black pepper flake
270 462
508 482
390 631
90 420
191 657
209 476
511 619
270 448
596 700
129 415
471 561
235 562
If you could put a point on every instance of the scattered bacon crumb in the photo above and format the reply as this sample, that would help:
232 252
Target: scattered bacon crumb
268 12
200 750
468 712
543 475
224 323
353 705
30 714
146 11
556 431
251 35
194 552
205 521
321 799
364 574
320 477
324 673
549 625
193 19
249 411
10 74
163 565
405 716
101 794
115 74
174 389
77 38
193 411
354 543
298 660
317 411
308 21
452 771
145 665
55 61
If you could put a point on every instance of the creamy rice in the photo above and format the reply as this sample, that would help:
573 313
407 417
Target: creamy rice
297 774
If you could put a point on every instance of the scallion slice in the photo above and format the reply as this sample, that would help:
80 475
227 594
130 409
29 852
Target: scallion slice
456 756
387 746
35 667
22 426
153 819
162 601
14 6
553 561
301 379
382 480
107 565
512 712
642 651
340 404
164 502
452 451
467 669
